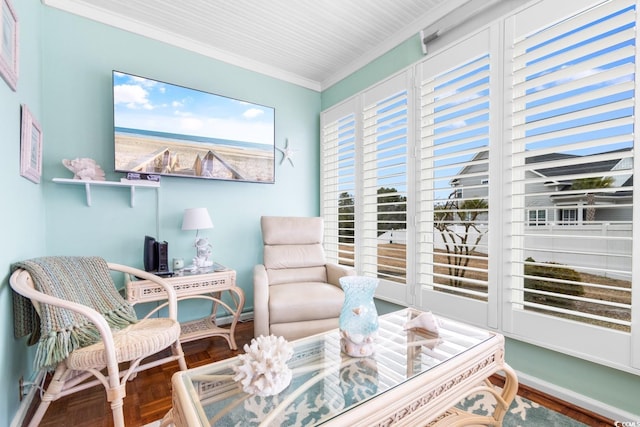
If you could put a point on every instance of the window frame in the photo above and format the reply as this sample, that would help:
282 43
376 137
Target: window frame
601 345
536 221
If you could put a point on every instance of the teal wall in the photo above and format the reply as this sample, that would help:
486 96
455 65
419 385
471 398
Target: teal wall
65 78
616 388
393 61
611 386
79 56
22 217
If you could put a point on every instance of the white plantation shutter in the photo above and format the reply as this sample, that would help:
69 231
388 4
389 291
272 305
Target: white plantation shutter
453 255
338 182
385 145
492 181
573 120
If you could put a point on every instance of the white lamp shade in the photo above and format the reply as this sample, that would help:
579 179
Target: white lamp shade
196 219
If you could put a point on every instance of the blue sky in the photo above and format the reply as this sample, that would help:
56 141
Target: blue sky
146 104
560 104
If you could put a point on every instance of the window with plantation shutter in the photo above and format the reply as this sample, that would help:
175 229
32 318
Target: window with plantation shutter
365 184
385 153
573 114
492 181
338 183
453 169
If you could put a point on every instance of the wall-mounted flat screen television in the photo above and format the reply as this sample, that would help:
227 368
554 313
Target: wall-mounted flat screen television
166 129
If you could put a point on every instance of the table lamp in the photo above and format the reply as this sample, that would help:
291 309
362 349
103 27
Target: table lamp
199 219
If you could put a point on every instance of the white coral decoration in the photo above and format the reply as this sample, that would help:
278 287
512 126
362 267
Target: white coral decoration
84 168
263 368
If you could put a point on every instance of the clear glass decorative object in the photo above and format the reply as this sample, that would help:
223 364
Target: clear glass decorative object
359 317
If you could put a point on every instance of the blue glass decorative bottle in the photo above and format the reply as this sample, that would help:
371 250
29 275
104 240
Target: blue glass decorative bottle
359 317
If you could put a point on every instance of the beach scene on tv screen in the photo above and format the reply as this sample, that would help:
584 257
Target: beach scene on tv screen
166 129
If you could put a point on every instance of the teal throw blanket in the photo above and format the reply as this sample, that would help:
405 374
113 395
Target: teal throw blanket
85 280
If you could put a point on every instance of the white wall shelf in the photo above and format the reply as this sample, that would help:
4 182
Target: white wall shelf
87 186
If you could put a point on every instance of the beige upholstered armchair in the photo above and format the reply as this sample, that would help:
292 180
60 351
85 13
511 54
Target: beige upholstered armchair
296 292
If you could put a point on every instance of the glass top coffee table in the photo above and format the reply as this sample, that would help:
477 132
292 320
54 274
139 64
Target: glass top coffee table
414 378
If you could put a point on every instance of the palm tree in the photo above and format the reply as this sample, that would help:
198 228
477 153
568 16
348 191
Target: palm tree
590 183
465 213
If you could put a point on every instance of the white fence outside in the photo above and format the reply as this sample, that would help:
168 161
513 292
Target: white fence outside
594 247
394 236
606 247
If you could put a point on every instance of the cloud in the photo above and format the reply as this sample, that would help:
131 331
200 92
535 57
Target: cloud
191 124
133 96
179 113
457 124
252 113
144 82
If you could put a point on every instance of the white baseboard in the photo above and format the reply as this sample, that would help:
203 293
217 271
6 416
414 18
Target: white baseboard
226 320
577 399
21 413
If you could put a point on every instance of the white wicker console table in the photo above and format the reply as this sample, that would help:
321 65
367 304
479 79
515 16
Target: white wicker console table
209 286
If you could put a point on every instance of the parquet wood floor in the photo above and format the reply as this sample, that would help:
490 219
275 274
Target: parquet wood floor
149 394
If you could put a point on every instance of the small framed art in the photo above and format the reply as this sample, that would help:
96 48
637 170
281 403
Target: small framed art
30 147
8 44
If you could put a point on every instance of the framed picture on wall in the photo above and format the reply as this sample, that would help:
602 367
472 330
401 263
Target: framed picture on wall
30 147
8 44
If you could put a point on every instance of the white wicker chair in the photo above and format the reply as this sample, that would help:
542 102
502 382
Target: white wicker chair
131 344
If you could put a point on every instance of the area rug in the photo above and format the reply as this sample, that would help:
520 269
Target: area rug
522 413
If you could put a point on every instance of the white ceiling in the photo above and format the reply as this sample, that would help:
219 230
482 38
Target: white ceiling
312 43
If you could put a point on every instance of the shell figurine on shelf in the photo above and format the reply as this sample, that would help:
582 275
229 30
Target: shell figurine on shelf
85 169
263 369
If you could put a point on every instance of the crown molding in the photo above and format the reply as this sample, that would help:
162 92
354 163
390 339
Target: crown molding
152 32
